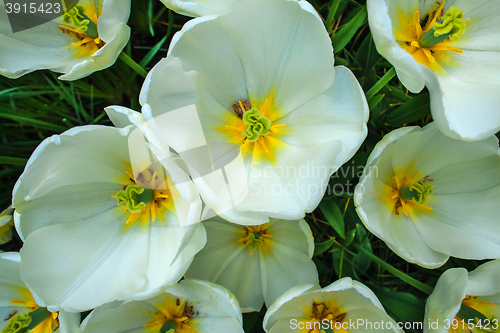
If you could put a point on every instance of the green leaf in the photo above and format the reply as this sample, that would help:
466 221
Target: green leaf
333 215
344 35
13 160
415 109
350 237
403 307
320 248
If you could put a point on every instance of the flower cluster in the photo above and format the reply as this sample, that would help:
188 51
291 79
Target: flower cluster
192 211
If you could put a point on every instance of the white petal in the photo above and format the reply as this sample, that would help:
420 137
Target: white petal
280 61
86 154
340 113
227 262
464 110
383 20
123 117
65 204
446 299
481 280
80 265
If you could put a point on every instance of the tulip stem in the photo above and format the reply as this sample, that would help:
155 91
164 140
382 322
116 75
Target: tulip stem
132 64
406 278
381 83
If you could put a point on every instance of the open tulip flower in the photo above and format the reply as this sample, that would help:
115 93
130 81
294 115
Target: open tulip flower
191 306
343 306
97 214
429 197
256 263
87 37
20 309
464 302
266 94
452 48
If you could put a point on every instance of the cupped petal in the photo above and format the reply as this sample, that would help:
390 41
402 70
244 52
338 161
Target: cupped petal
195 8
482 280
283 67
386 18
81 265
428 150
287 263
446 299
340 113
463 110
65 204
74 158
171 252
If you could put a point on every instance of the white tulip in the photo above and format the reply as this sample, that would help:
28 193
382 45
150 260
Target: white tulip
343 306
429 197
87 37
256 263
252 99
453 48
97 213
465 302
17 302
191 306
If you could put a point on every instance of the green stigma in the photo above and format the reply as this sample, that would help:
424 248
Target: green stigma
80 21
257 125
135 198
17 324
255 240
451 26
168 327
417 192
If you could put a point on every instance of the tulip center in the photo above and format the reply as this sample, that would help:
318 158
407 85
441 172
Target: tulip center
38 319
81 23
431 35
135 198
257 125
256 237
326 318
174 316
146 197
473 309
406 192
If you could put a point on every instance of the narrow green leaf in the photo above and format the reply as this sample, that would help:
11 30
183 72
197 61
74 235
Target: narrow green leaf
33 122
415 109
150 18
333 215
331 14
384 80
145 61
372 102
320 248
344 35
13 160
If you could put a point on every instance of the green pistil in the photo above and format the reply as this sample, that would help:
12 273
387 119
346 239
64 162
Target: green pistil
135 198
255 240
17 324
257 125
80 21
417 192
451 26
168 327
